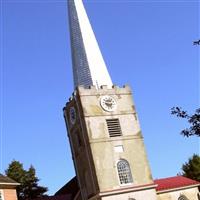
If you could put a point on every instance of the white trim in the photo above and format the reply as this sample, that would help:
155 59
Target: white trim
178 188
2 194
9 183
126 184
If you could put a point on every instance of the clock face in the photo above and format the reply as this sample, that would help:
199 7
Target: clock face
108 103
72 115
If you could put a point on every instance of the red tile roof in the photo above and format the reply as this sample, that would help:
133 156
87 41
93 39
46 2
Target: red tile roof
174 182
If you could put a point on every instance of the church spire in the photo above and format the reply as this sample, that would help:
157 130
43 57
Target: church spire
88 64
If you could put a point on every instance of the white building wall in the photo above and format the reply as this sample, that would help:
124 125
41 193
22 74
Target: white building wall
137 195
190 193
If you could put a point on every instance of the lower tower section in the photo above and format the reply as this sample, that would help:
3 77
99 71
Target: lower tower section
107 145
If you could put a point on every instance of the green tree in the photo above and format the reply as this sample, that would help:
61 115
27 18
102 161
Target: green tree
191 169
193 120
28 188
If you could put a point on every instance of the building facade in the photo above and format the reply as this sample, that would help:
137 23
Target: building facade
172 188
7 188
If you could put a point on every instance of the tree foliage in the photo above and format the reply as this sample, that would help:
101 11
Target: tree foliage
28 188
191 169
193 120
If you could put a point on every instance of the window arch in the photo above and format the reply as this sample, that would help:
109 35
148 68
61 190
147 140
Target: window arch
182 197
124 172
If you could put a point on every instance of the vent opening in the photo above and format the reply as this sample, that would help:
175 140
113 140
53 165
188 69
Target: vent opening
114 127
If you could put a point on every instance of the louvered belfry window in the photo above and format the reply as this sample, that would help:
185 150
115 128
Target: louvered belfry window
114 127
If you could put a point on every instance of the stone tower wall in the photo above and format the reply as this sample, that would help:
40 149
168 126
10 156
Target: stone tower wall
95 153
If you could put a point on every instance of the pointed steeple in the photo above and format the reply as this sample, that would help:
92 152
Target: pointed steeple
88 65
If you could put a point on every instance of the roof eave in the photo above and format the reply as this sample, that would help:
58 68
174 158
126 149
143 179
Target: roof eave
14 184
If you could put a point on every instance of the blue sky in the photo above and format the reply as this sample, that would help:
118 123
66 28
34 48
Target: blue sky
146 44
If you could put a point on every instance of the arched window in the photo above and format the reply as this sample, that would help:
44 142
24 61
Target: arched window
182 197
124 172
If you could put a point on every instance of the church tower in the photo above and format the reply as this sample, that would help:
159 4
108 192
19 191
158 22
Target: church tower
103 128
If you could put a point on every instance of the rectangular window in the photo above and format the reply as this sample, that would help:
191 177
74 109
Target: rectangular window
119 149
114 127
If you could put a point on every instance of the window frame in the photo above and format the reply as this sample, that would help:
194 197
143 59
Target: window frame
114 127
182 197
1 194
130 173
